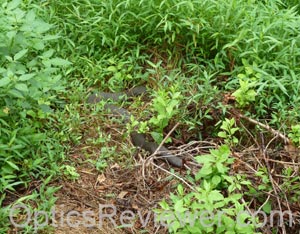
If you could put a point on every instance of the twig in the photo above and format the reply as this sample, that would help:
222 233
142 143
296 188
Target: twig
266 201
253 138
164 140
170 173
273 183
282 162
155 152
267 127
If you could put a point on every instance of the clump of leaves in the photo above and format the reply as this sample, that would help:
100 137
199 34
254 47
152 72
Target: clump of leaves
165 106
37 208
30 82
228 132
294 134
207 209
70 172
246 93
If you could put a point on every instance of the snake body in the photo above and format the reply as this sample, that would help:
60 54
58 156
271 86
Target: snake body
138 139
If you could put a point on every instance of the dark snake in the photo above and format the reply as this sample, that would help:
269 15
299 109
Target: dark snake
138 139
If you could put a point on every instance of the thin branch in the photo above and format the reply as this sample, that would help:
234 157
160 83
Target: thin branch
265 126
176 176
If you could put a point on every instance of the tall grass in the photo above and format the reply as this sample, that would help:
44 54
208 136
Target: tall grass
193 36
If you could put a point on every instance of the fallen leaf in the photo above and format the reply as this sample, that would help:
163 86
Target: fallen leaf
100 179
115 166
293 151
122 194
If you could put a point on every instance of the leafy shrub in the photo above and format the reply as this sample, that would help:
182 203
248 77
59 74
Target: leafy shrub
165 105
294 134
228 132
207 209
29 85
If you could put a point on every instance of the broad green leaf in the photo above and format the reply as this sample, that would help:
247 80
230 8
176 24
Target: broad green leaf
118 75
13 4
26 76
48 53
178 206
112 69
31 113
59 62
180 189
10 59
39 45
216 196
267 207
205 170
20 54
204 159
50 37
206 185
175 225
14 166
16 93
195 229
158 137
224 149
4 81
221 167
41 26
222 134
30 16
164 205
22 87
216 180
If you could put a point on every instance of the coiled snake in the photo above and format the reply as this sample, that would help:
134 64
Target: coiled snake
138 139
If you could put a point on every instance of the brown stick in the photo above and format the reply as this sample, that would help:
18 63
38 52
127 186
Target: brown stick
267 127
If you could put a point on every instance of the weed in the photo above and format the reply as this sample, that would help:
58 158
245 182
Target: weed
294 134
70 172
165 105
228 132
30 82
207 210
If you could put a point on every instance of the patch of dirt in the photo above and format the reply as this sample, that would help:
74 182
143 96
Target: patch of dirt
119 193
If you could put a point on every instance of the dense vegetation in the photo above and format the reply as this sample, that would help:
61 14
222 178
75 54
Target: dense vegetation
209 65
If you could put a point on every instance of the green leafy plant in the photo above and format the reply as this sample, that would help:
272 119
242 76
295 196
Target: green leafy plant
37 202
215 166
294 134
70 172
165 105
119 73
228 132
206 209
246 93
107 153
29 83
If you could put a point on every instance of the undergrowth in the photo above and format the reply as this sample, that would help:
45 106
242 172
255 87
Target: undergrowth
202 61
30 85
